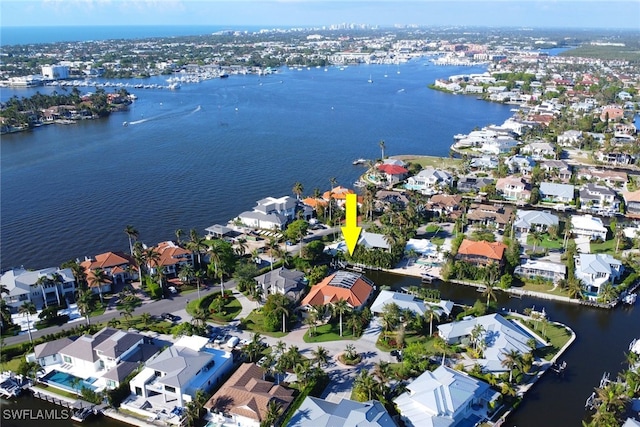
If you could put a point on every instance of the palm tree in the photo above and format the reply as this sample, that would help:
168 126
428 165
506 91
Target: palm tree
282 307
196 244
97 278
145 318
536 238
431 311
366 384
477 335
574 288
490 292
179 234
341 307
139 257
216 253
320 356
510 361
187 274
199 317
28 308
383 371
298 188
113 323
382 146
5 315
131 233
274 408
85 303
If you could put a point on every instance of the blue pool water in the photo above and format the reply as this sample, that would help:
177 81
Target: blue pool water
66 381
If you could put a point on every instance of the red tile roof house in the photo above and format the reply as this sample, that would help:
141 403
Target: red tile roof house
172 258
393 173
481 253
355 288
118 266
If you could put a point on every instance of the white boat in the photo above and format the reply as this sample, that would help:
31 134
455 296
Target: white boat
370 79
359 161
125 124
630 299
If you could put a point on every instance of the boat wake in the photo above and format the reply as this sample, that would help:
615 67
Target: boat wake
166 116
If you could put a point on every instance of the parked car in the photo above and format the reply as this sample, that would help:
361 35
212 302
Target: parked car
219 339
261 361
233 341
170 317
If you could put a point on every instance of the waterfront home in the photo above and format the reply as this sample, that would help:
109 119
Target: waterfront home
483 163
355 288
472 183
429 181
171 258
598 198
611 113
614 157
103 359
270 213
557 193
520 164
445 398
499 145
409 302
547 270
373 241
446 204
282 281
612 178
316 412
118 266
244 399
632 203
499 336
481 253
534 220
338 195
597 270
588 226
556 169
218 231
513 188
429 254
44 287
393 174
172 377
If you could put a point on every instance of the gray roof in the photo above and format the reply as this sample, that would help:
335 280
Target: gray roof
557 190
316 412
120 371
282 278
273 218
373 240
83 348
526 219
52 347
180 365
117 342
596 263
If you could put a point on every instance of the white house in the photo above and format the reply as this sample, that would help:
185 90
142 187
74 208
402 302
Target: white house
526 220
588 226
409 302
444 398
48 286
598 198
547 270
172 377
316 412
103 360
596 270
429 181
500 336
270 213
553 192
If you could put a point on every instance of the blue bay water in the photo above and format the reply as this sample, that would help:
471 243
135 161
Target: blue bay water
204 153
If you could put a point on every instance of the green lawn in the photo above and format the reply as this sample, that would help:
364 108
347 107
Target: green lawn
436 162
255 323
608 247
546 242
330 332
544 287
435 234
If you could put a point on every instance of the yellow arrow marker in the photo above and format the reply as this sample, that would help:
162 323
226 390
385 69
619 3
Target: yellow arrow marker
351 231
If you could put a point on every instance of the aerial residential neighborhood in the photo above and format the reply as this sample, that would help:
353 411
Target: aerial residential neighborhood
270 319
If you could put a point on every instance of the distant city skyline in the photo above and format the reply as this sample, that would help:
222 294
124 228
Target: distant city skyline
623 14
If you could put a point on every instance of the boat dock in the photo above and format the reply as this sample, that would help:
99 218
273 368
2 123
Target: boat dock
81 409
11 385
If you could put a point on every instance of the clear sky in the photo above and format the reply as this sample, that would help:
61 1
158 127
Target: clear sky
269 13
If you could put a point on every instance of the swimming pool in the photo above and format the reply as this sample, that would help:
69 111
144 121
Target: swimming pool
66 381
